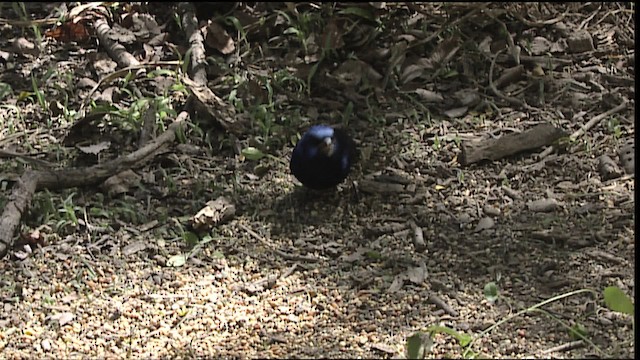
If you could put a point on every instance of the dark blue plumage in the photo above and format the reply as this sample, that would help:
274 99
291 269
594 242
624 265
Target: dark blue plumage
323 157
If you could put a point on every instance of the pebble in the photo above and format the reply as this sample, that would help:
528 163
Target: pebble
46 345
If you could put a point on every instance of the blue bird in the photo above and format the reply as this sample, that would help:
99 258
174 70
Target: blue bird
323 157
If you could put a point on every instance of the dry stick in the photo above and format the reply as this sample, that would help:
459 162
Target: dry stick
32 180
194 35
538 23
202 99
565 347
418 237
25 157
512 100
277 251
436 300
479 7
583 129
114 49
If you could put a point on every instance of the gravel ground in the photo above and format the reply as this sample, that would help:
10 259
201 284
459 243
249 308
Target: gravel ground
337 274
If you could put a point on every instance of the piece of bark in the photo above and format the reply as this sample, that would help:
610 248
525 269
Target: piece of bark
627 156
507 145
580 41
608 168
209 106
510 76
418 237
372 186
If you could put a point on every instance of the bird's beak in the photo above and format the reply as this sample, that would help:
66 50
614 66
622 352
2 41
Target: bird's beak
326 147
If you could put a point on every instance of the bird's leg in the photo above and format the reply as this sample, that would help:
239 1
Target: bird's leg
355 191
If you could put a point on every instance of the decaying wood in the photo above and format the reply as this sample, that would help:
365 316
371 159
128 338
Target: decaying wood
207 104
608 168
494 149
418 237
198 70
33 180
627 156
439 302
510 76
114 49
372 186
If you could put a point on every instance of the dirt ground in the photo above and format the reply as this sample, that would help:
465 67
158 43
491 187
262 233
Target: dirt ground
98 272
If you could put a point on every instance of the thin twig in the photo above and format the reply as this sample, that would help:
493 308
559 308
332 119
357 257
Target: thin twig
583 129
512 100
278 252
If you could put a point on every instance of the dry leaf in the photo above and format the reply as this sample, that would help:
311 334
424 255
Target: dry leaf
445 51
94 149
355 256
67 299
484 223
68 32
539 46
397 283
456 112
134 248
429 96
417 274
218 38
23 46
121 34
63 318
121 183
411 72
543 205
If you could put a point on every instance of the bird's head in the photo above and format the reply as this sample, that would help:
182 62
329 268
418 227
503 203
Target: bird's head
322 137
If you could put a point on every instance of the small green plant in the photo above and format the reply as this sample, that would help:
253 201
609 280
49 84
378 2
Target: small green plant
436 143
618 301
20 9
301 26
491 292
457 140
5 90
39 94
125 210
613 125
614 299
68 217
588 147
232 20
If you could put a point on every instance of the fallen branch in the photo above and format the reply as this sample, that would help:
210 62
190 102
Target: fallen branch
565 347
492 86
198 71
114 49
494 149
33 180
583 129
202 100
439 302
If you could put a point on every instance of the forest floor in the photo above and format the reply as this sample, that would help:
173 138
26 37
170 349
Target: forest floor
516 252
